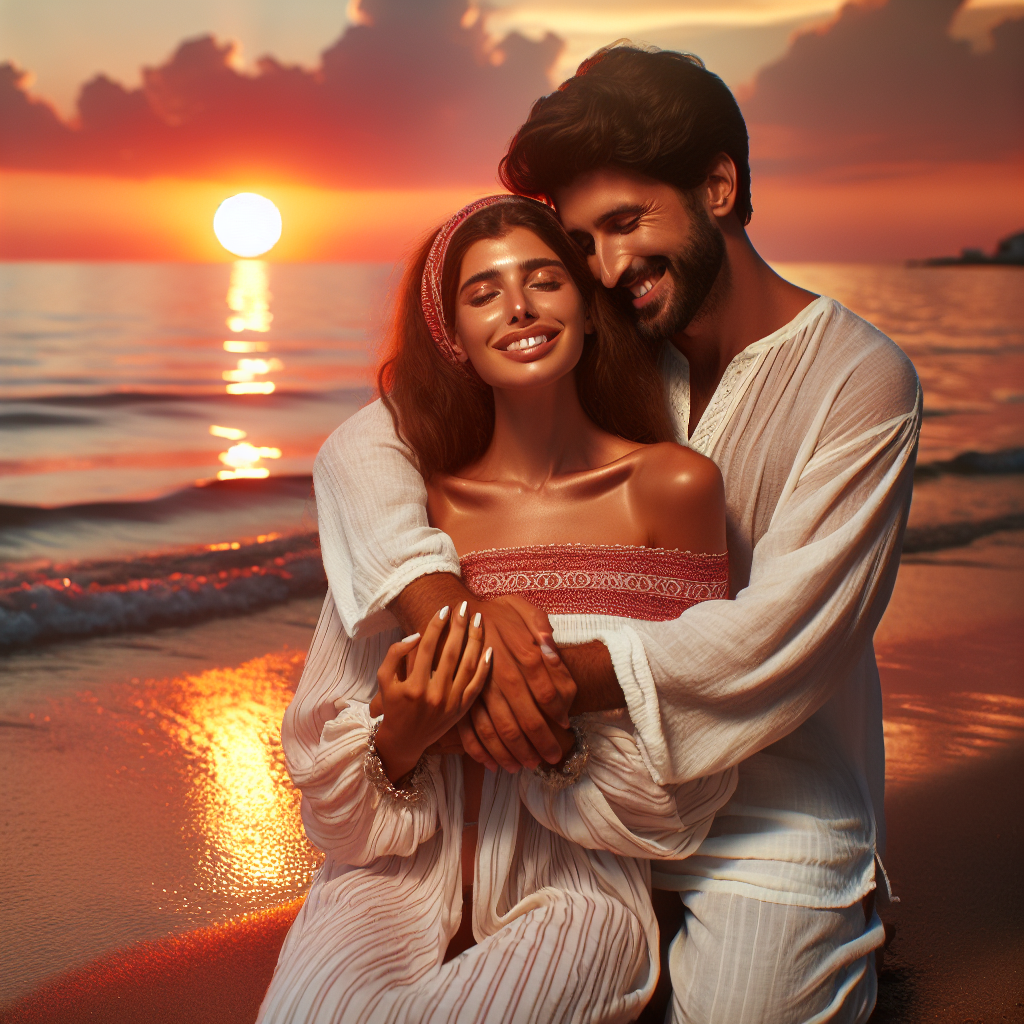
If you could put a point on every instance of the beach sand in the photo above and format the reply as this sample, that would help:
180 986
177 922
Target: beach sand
951 651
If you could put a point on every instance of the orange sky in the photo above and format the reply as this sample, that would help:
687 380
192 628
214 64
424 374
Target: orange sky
66 216
934 210
876 136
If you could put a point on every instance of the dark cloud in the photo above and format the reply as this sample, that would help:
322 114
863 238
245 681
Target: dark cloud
410 95
884 83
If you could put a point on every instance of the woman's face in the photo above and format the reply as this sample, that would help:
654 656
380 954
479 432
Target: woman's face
519 318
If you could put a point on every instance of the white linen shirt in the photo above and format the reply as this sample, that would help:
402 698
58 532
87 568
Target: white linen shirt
815 431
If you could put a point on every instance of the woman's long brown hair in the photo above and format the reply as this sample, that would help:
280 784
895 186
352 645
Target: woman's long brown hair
446 416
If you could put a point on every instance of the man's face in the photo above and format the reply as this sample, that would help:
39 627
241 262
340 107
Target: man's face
660 251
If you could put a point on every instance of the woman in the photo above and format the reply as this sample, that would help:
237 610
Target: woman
538 422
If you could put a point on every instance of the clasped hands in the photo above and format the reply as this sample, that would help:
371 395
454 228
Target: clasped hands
498 691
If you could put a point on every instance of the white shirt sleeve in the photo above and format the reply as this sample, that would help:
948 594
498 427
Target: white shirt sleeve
324 735
617 806
728 678
374 535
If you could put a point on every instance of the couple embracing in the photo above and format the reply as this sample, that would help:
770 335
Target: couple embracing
637 503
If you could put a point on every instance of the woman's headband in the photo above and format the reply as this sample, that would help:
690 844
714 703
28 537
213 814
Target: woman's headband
430 289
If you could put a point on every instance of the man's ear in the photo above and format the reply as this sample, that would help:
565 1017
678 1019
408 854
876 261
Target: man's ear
721 186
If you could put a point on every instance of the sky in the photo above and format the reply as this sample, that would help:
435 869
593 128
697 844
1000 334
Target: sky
879 130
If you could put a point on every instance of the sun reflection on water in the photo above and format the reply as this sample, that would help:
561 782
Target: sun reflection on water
925 737
244 824
249 297
249 300
242 459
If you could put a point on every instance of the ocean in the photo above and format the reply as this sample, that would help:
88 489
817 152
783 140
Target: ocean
159 424
160 574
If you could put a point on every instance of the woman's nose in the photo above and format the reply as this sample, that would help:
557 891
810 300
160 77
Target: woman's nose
521 311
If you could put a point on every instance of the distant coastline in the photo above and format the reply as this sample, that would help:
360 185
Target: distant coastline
1009 253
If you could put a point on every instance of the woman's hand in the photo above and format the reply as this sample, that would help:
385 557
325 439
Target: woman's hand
421 704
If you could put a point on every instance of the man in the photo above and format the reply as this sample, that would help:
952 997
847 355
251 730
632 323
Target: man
812 415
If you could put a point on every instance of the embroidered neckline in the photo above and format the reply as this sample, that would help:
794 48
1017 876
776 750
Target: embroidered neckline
736 374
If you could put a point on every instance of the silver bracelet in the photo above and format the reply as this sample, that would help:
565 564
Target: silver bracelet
568 774
415 784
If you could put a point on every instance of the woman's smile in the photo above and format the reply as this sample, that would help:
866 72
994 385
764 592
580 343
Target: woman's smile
529 344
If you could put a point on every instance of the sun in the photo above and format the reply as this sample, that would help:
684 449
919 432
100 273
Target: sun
247 224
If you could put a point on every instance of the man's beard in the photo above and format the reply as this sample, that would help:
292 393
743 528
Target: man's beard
694 272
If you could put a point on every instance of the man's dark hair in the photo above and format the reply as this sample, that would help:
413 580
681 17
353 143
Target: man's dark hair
657 113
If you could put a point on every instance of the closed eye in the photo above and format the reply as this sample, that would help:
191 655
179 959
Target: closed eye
480 300
625 227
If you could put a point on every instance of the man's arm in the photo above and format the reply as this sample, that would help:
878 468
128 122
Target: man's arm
597 687
375 537
728 678
590 665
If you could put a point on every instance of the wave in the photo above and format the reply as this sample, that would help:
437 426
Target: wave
212 496
224 580
920 539
31 420
112 399
1006 460
142 594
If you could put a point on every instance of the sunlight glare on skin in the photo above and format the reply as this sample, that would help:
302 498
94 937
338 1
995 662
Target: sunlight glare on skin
247 224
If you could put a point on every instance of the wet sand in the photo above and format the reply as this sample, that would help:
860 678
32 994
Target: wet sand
951 651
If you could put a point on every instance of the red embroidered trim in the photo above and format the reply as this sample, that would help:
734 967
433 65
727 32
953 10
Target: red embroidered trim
653 584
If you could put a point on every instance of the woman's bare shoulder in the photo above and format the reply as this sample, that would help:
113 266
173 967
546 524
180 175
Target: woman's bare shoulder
682 497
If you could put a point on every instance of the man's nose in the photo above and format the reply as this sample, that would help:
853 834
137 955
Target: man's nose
608 263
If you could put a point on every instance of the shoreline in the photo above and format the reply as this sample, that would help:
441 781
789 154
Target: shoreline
954 634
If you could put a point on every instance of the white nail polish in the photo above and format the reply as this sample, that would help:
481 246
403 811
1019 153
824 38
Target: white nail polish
443 613
462 609
409 639
477 619
547 651
487 655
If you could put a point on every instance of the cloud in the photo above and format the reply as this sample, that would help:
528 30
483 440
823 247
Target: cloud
415 92
884 84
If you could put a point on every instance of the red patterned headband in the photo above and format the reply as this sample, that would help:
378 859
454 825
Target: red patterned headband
430 290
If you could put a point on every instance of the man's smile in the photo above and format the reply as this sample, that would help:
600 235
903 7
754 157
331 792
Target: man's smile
644 285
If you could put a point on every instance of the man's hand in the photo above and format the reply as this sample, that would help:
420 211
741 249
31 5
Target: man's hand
527 687
529 690
449 743
520 717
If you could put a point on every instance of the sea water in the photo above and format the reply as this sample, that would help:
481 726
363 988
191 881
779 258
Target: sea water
160 574
161 420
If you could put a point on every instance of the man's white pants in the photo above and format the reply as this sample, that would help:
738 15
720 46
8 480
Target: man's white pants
740 961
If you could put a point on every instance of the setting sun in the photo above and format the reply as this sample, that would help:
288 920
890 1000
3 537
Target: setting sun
247 224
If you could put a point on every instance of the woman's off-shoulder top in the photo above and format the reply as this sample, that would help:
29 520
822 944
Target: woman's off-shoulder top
627 580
